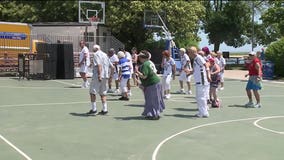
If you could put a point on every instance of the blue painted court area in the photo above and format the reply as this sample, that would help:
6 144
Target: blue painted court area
44 120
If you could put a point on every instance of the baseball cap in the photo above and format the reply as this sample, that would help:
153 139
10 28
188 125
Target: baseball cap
252 53
96 46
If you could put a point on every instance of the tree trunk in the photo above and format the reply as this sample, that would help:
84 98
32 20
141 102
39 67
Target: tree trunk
216 46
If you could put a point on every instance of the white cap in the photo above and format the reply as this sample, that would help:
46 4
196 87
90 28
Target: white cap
96 47
252 53
120 54
182 49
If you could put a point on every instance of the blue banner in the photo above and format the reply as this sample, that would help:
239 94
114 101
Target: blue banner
13 35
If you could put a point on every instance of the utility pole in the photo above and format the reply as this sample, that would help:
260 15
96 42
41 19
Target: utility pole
252 36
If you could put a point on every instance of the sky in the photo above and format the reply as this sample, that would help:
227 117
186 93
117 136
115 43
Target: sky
224 47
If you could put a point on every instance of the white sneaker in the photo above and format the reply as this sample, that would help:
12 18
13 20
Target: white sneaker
201 116
181 91
117 91
189 92
129 94
109 91
168 96
222 88
249 104
258 105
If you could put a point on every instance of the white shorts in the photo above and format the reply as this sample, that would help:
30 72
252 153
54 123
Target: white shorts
221 76
123 85
98 87
115 76
166 82
184 77
83 69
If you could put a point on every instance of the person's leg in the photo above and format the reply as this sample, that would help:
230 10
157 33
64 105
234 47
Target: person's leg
249 95
257 96
181 85
104 103
128 87
201 101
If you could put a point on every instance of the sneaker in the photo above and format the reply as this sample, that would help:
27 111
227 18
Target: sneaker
201 116
258 105
103 112
123 98
129 94
189 92
222 88
168 96
249 104
117 91
110 91
92 112
181 91
152 117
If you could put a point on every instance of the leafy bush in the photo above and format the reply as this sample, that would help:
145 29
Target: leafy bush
275 53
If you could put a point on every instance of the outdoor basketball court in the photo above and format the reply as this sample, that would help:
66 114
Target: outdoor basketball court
44 120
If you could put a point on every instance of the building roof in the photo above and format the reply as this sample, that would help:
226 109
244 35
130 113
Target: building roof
43 24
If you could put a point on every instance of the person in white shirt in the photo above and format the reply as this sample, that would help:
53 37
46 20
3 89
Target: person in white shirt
185 72
84 63
102 68
222 64
169 69
114 60
201 73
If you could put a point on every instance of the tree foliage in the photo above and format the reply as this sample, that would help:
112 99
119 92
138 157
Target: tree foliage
272 27
275 54
39 11
228 22
125 18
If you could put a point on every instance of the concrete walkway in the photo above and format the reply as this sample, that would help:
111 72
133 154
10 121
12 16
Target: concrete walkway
235 74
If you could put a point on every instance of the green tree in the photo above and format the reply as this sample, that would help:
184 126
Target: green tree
228 22
275 53
14 11
272 27
39 11
125 19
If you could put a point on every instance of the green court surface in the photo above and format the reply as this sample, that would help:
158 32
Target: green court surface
46 120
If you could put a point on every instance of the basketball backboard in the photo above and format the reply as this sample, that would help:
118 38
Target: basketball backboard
92 12
152 20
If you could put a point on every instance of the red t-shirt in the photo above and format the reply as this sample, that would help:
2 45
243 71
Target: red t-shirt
252 69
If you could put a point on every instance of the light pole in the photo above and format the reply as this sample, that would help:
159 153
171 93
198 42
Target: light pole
252 36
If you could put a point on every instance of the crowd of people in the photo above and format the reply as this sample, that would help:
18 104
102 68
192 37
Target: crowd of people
207 69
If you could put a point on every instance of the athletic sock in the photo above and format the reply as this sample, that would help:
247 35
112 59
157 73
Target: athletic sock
104 106
94 106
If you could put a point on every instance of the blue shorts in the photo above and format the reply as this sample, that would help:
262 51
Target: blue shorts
253 83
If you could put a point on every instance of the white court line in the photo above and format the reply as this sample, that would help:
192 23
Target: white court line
154 155
67 83
270 130
14 147
63 103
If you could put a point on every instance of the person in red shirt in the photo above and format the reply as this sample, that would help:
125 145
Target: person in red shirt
254 81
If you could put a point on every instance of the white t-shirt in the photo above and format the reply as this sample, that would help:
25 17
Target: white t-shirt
101 58
114 59
168 66
84 51
222 63
184 60
199 71
129 57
